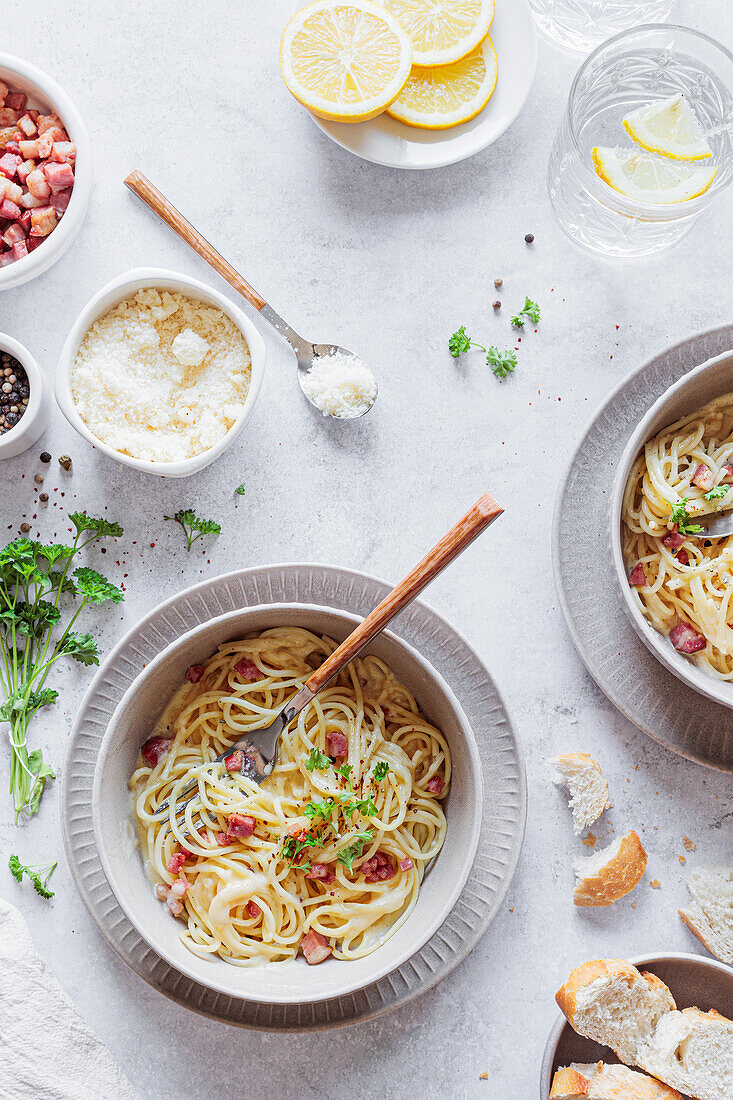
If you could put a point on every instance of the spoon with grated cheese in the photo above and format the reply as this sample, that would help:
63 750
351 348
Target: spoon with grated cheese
335 380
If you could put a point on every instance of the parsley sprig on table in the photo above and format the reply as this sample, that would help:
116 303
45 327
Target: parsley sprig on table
530 310
502 363
194 527
681 518
39 876
33 579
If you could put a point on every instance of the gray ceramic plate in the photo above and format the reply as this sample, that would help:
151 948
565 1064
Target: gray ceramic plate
646 693
501 758
694 981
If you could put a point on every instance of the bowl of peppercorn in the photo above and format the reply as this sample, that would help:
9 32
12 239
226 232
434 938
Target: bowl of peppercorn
24 398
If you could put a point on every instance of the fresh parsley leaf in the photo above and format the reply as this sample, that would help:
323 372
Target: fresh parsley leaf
380 770
459 342
100 527
680 517
345 772
41 698
717 493
317 761
95 588
366 806
39 876
55 552
347 855
191 524
502 363
56 580
323 809
530 309
240 490
82 647
292 848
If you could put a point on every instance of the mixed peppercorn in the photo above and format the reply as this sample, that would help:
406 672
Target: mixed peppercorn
15 392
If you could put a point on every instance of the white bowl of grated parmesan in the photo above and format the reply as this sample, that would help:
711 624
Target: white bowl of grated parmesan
160 372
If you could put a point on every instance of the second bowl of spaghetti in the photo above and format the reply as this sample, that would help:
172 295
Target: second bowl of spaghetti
678 588
350 855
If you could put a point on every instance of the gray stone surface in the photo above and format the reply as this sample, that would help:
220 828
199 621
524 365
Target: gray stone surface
388 263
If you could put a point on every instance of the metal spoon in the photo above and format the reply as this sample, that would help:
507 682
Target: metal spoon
306 352
715 525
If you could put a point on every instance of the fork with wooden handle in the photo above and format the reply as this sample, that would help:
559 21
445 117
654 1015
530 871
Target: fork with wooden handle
259 747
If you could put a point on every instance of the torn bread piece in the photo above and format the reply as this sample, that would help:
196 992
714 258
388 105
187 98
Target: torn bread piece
571 1082
604 1082
693 1051
588 789
709 915
610 874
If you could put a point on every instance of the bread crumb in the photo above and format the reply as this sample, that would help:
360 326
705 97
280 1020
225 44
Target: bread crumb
636 767
655 884
483 1076
682 859
689 844
633 905
590 840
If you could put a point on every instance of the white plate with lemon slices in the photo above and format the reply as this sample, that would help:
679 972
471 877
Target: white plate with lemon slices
357 59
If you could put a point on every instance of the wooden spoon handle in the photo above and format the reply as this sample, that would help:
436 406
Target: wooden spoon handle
483 513
159 204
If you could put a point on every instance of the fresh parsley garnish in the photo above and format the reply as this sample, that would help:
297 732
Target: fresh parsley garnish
460 342
501 362
317 761
323 809
39 876
530 309
345 772
380 770
193 526
680 517
292 848
240 490
717 492
347 855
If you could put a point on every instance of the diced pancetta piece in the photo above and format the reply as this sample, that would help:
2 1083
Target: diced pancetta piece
20 249
175 864
315 947
682 557
9 210
161 891
703 477
727 472
194 673
248 670
25 169
13 233
16 101
37 184
379 868
673 540
233 762
241 825
59 176
686 639
319 871
223 840
9 116
406 864
337 744
29 149
175 894
435 785
179 887
7 258
637 576
60 202
3 92
9 164
253 909
154 749
34 242
64 152
47 122
43 221
30 202
13 191
27 126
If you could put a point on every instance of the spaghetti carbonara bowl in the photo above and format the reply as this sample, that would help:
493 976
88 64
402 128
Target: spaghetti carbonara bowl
327 856
682 584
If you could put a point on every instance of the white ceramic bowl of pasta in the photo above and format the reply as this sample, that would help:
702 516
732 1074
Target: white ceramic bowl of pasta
291 982
696 388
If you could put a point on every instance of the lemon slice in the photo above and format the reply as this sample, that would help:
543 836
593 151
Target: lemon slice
442 31
647 178
345 61
436 99
668 127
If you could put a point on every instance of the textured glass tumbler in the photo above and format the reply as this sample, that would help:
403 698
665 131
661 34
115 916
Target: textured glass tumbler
584 24
629 71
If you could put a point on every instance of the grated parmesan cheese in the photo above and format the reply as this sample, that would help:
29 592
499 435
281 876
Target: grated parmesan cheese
161 377
340 385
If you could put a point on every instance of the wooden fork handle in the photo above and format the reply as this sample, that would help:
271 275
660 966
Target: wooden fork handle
483 513
165 210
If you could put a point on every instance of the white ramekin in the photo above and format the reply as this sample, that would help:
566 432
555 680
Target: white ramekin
35 418
693 390
124 286
45 94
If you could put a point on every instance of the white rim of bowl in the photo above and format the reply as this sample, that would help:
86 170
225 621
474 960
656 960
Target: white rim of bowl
658 644
126 285
38 387
476 776
52 249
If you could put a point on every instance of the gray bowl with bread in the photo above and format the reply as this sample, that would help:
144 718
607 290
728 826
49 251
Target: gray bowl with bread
693 982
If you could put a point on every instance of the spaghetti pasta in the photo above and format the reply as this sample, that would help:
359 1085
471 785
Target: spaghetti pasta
684 586
332 846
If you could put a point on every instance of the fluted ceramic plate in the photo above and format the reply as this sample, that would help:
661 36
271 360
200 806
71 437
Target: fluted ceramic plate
384 140
441 645
633 679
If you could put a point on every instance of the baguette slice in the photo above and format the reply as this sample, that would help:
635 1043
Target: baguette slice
588 789
710 913
571 1082
621 1083
693 1051
610 1001
610 874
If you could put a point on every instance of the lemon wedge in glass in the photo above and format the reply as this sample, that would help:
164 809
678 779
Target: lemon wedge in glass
442 31
436 99
648 178
345 61
668 127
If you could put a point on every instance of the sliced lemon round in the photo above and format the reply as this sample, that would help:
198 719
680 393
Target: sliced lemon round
445 96
647 178
668 127
345 61
442 31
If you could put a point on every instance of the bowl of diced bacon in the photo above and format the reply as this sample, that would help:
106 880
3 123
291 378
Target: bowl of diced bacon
694 389
294 981
45 171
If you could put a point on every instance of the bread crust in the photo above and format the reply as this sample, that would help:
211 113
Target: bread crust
622 1083
584 975
616 878
714 933
567 1083
583 816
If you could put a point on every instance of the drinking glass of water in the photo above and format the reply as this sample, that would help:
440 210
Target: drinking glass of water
584 24
646 141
